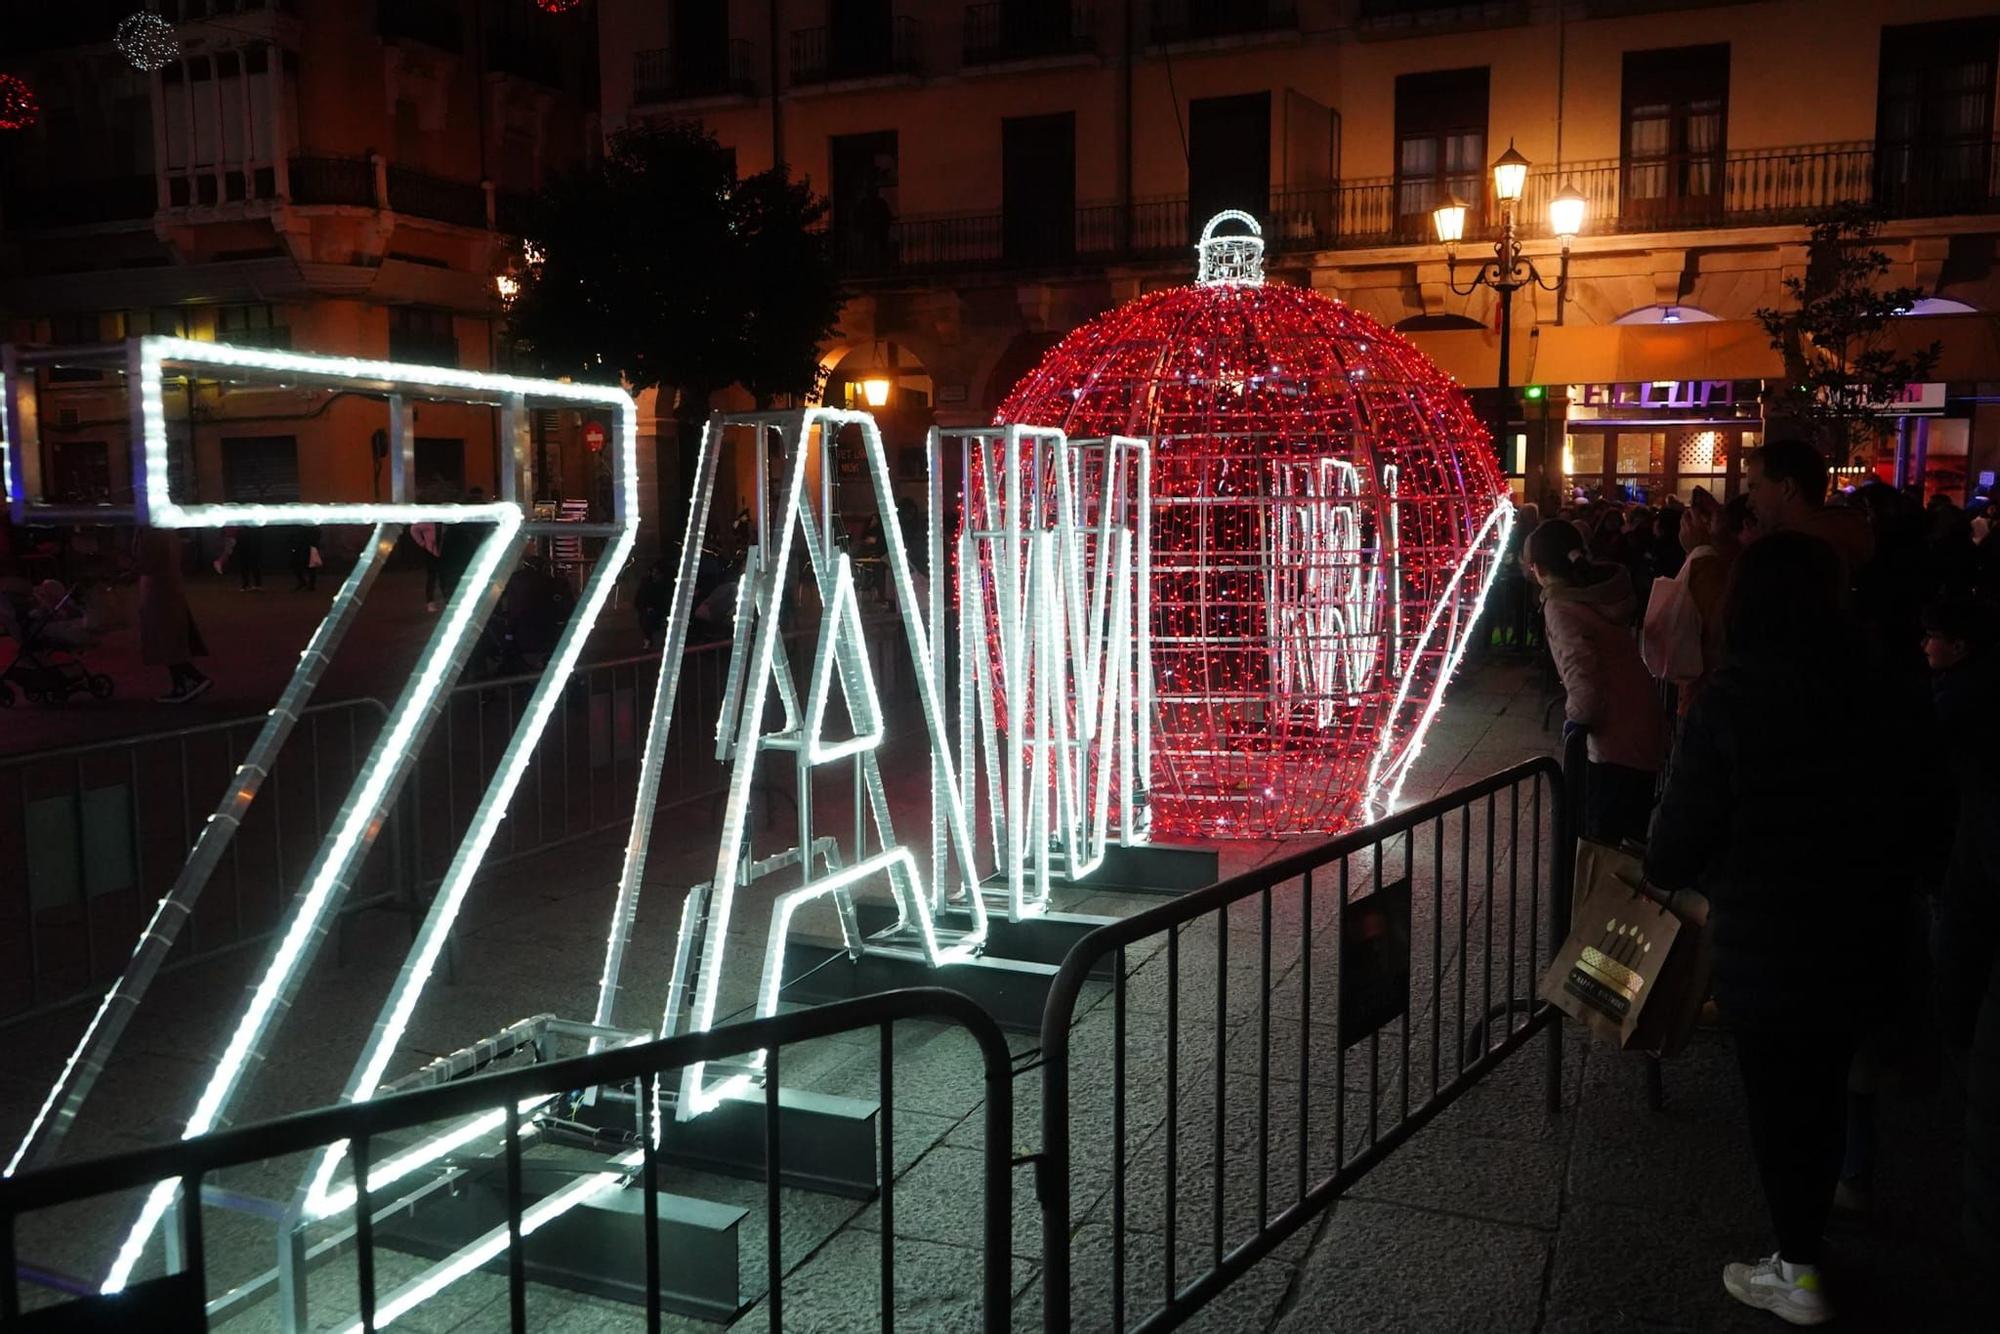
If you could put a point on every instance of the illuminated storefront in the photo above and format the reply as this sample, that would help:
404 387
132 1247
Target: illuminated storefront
1647 440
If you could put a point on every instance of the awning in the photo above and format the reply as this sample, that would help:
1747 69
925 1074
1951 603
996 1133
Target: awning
1971 348
1608 353
1709 350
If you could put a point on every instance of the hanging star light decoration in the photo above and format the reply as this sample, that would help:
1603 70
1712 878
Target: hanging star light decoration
147 40
18 107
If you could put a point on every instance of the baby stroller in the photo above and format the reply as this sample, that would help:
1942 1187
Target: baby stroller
50 632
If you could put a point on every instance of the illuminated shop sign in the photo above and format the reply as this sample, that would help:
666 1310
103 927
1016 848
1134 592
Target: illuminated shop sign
1675 395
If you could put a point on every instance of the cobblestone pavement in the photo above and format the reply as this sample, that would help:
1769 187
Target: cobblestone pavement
1498 1215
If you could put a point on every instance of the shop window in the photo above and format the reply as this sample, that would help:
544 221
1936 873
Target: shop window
1440 146
1675 104
1934 116
1701 458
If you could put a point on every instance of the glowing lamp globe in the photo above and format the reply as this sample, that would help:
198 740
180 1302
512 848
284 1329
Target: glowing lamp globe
1327 518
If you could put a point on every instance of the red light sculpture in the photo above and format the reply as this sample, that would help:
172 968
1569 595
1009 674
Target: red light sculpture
18 107
1327 517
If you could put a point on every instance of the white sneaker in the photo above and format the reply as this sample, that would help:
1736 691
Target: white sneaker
1792 1293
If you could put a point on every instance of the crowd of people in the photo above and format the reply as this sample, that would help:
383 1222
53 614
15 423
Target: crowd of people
1827 775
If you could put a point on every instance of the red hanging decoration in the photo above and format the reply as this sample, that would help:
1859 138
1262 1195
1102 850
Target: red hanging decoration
18 107
1327 516
557 6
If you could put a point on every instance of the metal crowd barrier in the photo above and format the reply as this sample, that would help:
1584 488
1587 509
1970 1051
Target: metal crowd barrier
93 835
97 832
181 1299
1184 1065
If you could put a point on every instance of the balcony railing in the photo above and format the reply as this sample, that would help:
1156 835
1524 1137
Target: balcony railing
1376 15
423 196
1025 30
1198 20
667 75
1755 187
432 22
822 55
333 180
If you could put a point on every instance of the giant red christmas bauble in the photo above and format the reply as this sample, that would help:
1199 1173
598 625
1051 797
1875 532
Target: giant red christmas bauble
1327 517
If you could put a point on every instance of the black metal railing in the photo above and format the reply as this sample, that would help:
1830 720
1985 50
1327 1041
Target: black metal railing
826 55
1025 30
68 918
641 1071
1750 187
432 22
1375 15
140 800
1235 1083
1198 20
667 75
333 180
422 195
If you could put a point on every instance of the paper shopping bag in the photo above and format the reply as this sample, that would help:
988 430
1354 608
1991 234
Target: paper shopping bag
1634 970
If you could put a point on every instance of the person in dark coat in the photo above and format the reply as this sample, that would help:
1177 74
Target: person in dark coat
653 602
1962 645
168 636
1758 814
458 543
302 548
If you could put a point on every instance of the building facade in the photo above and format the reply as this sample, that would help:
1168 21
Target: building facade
318 175
1001 171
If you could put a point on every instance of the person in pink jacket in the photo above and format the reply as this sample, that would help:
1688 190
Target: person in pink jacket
1589 609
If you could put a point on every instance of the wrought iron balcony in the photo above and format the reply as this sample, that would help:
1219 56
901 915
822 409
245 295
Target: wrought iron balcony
825 55
1025 30
666 75
1392 16
1197 20
424 196
333 180
1747 188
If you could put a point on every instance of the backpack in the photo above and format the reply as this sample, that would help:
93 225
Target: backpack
1670 639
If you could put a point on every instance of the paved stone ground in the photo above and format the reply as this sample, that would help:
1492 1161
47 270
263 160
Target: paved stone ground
1607 1216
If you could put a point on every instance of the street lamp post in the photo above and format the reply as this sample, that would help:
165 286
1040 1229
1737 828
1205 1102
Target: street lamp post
1508 271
